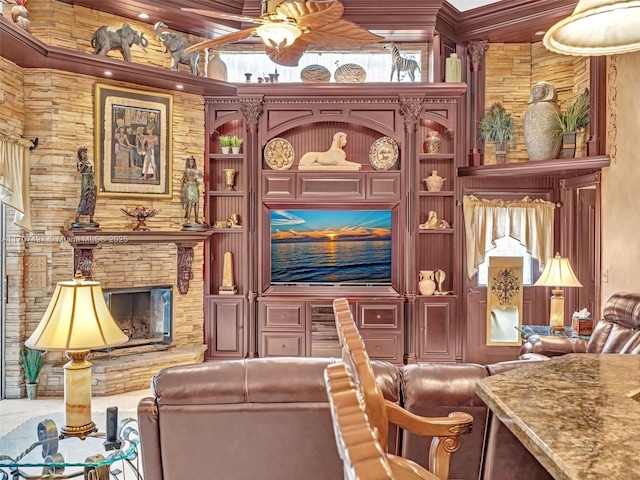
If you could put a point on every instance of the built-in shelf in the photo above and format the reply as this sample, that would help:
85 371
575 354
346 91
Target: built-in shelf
438 156
26 51
443 193
436 231
560 167
226 193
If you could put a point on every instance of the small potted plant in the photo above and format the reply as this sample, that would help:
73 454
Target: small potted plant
225 143
32 362
574 118
497 126
236 142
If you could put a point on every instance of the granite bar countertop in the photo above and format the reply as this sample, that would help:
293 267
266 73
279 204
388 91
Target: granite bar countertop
574 413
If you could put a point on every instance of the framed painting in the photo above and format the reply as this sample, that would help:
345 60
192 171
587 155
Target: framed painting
133 132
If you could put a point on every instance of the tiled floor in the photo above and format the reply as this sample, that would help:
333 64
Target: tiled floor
14 412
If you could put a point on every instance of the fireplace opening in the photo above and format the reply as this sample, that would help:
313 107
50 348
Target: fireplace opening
144 314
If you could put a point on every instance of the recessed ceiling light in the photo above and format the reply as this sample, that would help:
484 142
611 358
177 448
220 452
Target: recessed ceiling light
143 16
179 87
539 33
108 73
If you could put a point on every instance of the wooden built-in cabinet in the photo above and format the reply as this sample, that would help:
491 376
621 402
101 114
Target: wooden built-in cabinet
278 318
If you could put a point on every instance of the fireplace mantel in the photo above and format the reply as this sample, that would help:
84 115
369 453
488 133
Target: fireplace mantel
84 241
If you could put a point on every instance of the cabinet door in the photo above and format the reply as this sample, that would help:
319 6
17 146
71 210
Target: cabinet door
436 329
224 327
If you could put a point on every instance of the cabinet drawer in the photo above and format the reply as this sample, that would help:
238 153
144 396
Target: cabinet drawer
378 315
282 316
384 348
282 344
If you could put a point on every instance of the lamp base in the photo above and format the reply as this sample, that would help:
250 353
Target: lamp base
80 432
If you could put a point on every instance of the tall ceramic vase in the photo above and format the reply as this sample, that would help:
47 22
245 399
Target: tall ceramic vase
426 284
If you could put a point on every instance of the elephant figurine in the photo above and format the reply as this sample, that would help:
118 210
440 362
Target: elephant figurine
108 38
174 45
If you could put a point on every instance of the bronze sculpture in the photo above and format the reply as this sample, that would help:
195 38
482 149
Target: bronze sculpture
141 214
88 193
190 195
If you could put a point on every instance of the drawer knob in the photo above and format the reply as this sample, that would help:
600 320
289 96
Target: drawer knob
377 347
378 316
283 346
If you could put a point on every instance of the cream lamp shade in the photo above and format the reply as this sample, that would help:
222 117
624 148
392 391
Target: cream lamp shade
76 321
597 27
557 273
279 32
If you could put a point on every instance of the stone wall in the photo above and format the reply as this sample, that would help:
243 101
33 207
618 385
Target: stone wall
58 108
512 69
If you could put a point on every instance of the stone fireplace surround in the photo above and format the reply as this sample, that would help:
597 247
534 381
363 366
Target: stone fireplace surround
121 370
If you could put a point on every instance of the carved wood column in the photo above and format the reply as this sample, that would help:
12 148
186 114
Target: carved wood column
251 108
410 109
476 51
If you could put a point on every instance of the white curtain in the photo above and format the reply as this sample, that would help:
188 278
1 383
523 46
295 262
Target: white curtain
528 221
14 178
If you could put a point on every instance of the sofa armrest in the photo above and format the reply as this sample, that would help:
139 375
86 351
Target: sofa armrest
552 345
151 452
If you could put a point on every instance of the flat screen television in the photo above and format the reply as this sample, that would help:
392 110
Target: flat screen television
331 247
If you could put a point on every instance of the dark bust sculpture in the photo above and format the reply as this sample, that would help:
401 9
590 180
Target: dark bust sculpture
88 193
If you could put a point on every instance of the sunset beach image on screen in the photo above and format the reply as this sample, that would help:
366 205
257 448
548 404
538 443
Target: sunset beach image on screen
321 246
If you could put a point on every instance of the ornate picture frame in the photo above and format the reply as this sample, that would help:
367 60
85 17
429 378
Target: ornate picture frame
133 133
504 301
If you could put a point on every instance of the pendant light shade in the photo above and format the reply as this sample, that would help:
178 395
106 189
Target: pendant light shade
597 27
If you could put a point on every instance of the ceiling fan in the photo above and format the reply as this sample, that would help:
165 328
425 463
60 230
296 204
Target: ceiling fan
291 27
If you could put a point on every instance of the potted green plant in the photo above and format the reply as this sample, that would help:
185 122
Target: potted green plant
236 142
572 119
225 143
497 126
32 362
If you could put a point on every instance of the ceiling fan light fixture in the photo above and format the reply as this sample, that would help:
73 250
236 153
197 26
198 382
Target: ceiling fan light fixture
278 34
597 27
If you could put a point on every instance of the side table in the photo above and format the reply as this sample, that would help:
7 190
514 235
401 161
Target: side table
529 330
34 450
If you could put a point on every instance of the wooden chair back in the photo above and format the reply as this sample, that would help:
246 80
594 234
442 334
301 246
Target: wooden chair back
445 431
357 441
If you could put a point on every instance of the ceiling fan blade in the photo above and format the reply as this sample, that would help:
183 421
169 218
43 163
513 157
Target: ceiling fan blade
312 14
219 15
223 40
288 56
341 33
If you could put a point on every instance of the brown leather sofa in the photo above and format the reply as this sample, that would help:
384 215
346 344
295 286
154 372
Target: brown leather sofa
617 332
268 419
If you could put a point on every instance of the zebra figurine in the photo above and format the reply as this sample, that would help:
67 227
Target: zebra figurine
401 64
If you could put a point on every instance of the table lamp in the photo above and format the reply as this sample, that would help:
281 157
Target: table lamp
76 321
557 273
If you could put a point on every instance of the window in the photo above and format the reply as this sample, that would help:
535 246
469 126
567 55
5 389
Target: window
376 64
507 247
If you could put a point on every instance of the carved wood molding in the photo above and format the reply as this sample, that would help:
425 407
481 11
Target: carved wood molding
84 242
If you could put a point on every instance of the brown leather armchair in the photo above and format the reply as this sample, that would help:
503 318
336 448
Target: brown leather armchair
617 332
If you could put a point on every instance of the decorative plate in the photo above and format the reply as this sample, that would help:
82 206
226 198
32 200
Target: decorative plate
279 154
383 153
